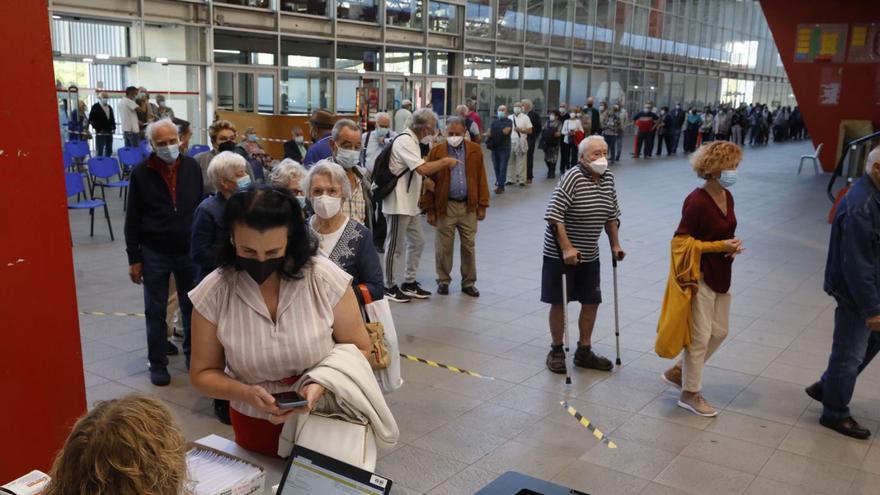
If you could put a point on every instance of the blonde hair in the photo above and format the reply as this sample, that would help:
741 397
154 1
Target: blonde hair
220 125
711 158
127 446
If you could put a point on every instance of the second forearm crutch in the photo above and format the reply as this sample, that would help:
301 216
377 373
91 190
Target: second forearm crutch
616 311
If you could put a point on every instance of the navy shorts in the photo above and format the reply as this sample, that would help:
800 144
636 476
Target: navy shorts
583 282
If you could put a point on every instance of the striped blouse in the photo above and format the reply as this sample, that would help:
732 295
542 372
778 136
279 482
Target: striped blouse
262 352
583 206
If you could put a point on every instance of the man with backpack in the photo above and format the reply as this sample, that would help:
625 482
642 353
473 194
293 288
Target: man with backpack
397 183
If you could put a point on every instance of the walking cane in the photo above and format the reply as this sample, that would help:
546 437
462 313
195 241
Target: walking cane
565 271
616 313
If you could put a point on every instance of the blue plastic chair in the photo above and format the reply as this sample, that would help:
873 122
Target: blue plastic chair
78 150
103 169
146 149
74 186
198 148
67 160
129 157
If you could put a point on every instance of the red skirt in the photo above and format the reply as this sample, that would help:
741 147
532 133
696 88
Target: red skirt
255 434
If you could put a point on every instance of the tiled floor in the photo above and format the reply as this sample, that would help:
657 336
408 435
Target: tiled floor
458 432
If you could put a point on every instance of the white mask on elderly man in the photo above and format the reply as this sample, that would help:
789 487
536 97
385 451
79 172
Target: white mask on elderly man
347 158
326 206
455 141
598 166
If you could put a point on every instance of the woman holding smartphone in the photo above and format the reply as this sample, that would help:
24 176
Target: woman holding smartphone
269 313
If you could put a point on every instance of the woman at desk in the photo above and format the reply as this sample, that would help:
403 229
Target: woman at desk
269 313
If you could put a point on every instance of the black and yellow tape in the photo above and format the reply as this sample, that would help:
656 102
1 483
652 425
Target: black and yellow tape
588 425
447 367
102 313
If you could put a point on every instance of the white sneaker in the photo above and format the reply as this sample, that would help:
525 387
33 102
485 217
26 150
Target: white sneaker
698 405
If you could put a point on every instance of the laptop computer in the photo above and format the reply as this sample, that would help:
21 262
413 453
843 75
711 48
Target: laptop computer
310 473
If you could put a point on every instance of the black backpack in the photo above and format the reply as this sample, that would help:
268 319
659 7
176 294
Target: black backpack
384 181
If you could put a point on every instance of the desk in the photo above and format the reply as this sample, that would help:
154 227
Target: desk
274 466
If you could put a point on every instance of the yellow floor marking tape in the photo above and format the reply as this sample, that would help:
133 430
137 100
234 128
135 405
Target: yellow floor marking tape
588 425
445 367
101 313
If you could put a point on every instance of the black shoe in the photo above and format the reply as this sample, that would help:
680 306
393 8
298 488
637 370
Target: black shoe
172 349
177 334
471 291
413 289
815 391
847 426
221 410
396 295
443 289
159 376
556 360
585 358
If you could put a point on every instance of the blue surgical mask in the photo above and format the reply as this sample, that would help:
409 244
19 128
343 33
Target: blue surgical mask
381 132
302 201
252 138
347 158
243 182
169 153
500 114
728 178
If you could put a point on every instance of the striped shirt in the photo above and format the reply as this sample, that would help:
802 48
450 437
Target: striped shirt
583 206
262 352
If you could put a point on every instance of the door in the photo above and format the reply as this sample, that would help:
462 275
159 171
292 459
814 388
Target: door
483 94
265 92
437 96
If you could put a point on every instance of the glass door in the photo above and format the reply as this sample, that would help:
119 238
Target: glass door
265 96
482 94
437 97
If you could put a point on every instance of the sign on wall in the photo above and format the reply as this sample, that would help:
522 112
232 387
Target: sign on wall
820 43
864 43
830 85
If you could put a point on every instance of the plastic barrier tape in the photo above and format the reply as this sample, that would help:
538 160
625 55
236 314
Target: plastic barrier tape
101 313
445 367
588 425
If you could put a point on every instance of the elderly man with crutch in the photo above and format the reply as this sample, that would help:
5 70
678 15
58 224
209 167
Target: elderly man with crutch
582 205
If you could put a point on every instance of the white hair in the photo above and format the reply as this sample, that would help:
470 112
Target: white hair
343 124
331 170
405 103
224 166
166 122
585 143
285 171
461 108
382 115
527 102
423 118
873 157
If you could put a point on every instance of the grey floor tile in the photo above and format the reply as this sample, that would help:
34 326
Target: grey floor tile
779 401
618 397
537 461
497 420
822 477
765 486
829 447
466 482
865 484
749 428
460 443
656 433
729 452
697 476
635 459
419 469
658 489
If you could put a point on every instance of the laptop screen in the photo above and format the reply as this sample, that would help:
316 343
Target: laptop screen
310 473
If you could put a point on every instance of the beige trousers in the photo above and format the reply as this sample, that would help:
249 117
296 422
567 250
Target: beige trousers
457 218
710 320
516 173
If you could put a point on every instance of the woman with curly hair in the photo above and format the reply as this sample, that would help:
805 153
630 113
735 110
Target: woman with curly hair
128 446
708 217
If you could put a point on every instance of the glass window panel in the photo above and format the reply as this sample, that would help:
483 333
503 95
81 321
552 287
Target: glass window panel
713 90
635 96
234 48
622 24
405 61
173 42
357 10
303 92
356 57
346 93
538 21
668 37
480 19
616 86
599 85
557 85
533 85
310 7
580 77
562 28
266 93
438 63
479 66
225 90
604 35
639 31
307 53
443 17
653 92
260 4
511 20
690 91
245 92
404 13
583 27
507 72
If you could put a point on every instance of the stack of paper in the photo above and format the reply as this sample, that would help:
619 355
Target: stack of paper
212 473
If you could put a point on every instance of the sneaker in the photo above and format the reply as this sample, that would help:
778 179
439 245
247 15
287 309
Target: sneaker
413 289
396 295
172 349
159 376
443 289
847 426
697 404
815 391
672 377
508 183
556 360
584 357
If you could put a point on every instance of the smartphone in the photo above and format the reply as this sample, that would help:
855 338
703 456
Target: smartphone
290 400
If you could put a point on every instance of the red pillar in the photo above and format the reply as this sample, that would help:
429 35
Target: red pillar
41 369
858 99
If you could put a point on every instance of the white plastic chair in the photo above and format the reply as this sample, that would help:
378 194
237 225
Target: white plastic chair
814 157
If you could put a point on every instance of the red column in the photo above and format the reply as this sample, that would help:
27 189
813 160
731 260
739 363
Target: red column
41 369
857 98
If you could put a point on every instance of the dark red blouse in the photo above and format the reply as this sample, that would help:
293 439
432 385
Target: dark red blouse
703 220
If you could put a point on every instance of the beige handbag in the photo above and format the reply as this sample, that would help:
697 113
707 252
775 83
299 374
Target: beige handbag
340 438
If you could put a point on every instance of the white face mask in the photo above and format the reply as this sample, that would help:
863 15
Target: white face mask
429 139
298 139
347 158
563 110
552 117
455 141
326 206
599 166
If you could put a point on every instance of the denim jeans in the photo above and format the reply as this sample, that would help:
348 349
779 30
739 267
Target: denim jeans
853 348
676 136
104 145
500 157
613 143
157 269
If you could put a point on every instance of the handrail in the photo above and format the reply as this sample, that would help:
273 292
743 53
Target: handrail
838 171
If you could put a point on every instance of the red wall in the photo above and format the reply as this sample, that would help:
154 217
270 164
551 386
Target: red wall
41 371
857 99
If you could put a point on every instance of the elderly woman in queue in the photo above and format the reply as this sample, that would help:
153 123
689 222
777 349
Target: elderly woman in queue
289 174
271 311
708 216
583 204
343 240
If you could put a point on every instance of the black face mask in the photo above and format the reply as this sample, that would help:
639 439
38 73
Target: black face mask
226 146
259 270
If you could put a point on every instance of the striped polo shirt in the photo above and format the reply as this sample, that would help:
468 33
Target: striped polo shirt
583 206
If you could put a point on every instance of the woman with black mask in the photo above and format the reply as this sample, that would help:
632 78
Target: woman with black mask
692 128
269 313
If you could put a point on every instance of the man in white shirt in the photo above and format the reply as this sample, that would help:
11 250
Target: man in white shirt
569 128
128 109
402 116
519 144
401 207
375 140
